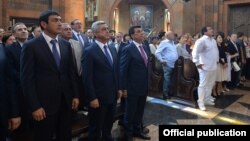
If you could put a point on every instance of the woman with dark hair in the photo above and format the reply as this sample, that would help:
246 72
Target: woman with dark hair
126 38
222 66
161 36
8 39
154 44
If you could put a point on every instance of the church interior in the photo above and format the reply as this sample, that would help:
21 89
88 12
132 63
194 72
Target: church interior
186 19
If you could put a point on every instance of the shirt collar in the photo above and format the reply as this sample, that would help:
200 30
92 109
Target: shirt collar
48 38
76 32
207 37
20 43
137 44
100 44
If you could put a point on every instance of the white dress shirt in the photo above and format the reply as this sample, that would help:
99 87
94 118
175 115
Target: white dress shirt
101 45
137 45
206 52
80 39
48 39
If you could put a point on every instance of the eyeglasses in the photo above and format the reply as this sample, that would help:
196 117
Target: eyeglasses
67 29
78 23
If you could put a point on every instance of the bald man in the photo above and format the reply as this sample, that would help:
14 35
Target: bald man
167 54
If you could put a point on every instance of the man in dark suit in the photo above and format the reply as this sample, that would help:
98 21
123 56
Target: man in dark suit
35 32
14 52
76 25
235 51
101 84
9 111
134 81
90 36
119 46
48 80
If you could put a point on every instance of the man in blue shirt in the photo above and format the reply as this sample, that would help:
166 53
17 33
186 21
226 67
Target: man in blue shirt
167 54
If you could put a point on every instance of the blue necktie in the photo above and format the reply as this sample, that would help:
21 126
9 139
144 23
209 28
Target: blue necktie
55 52
107 55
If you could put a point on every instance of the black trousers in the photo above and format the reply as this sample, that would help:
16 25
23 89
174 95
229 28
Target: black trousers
235 78
101 122
58 125
83 102
134 114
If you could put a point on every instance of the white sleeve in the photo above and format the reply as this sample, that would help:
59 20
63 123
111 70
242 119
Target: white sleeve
198 47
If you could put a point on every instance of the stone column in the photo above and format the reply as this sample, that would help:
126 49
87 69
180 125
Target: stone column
74 9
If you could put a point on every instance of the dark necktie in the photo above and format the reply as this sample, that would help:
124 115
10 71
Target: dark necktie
55 52
107 55
143 55
79 39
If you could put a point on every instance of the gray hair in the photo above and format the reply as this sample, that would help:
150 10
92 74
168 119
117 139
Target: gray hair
15 25
96 25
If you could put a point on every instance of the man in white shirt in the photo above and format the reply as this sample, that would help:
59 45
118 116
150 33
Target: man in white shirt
206 56
167 54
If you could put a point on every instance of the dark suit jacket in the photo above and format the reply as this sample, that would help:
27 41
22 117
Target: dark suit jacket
242 46
44 84
134 75
222 54
99 77
232 50
8 98
31 36
121 47
14 53
85 39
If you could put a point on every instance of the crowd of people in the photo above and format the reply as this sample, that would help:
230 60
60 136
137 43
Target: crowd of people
56 69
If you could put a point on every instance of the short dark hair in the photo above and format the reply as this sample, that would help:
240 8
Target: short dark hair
124 36
161 34
111 31
34 27
44 17
6 37
240 34
220 33
73 22
154 37
204 29
132 30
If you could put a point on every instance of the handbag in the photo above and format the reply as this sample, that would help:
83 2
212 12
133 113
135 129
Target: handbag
235 66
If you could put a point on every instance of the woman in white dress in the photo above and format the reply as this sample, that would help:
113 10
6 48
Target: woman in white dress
222 66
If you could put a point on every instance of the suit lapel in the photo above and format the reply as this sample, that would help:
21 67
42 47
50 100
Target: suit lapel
113 53
74 37
103 58
139 53
18 50
45 47
147 53
63 53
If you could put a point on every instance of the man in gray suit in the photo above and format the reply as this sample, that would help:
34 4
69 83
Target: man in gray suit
77 51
